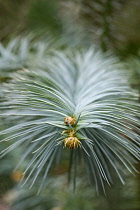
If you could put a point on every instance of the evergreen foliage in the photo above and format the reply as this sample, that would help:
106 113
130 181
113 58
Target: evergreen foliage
81 96
20 52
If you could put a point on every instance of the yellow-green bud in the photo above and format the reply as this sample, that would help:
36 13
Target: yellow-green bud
69 120
71 142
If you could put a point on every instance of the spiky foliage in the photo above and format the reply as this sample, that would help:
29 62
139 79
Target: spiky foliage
80 95
21 51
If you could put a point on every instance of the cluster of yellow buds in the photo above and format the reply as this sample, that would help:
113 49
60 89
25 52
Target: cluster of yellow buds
69 120
71 142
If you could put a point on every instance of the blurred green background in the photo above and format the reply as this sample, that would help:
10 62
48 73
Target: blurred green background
111 25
